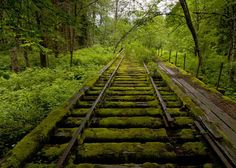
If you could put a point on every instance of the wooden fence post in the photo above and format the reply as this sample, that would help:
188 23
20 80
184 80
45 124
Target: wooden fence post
176 57
169 55
221 69
185 60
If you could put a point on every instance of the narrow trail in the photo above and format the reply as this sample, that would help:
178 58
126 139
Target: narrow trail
121 122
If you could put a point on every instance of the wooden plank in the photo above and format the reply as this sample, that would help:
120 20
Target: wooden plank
212 113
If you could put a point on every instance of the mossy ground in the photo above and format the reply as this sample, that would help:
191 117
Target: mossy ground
113 152
131 134
117 122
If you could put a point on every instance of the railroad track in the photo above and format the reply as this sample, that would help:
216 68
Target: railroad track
129 119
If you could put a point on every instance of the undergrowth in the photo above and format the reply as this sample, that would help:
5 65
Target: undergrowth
26 98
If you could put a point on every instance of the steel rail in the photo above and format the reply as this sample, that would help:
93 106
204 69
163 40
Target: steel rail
163 104
84 123
218 149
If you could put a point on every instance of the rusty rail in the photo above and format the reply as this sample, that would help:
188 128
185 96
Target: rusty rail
86 120
168 118
215 145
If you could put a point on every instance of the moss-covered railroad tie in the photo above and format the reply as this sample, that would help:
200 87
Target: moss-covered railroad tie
127 129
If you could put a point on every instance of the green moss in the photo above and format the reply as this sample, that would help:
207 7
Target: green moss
35 165
51 153
64 132
130 92
176 112
125 151
81 112
149 122
132 98
194 148
32 141
144 165
130 88
195 110
208 165
186 134
110 112
138 134
84 104
170 98
182 121
129 104
73 122
174 104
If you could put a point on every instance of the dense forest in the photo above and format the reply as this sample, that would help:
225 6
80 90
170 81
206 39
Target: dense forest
49 48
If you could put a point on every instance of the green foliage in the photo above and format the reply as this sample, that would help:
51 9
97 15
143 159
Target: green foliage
27 97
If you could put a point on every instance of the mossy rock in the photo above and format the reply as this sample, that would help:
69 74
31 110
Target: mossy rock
183 121
119 135
194 148
128 152
121 122
111 112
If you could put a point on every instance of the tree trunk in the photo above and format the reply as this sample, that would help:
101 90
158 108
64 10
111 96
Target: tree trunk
26 58
233 52
188 19
14 60
42 55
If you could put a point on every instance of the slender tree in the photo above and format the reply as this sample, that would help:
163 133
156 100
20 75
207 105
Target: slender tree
188 19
